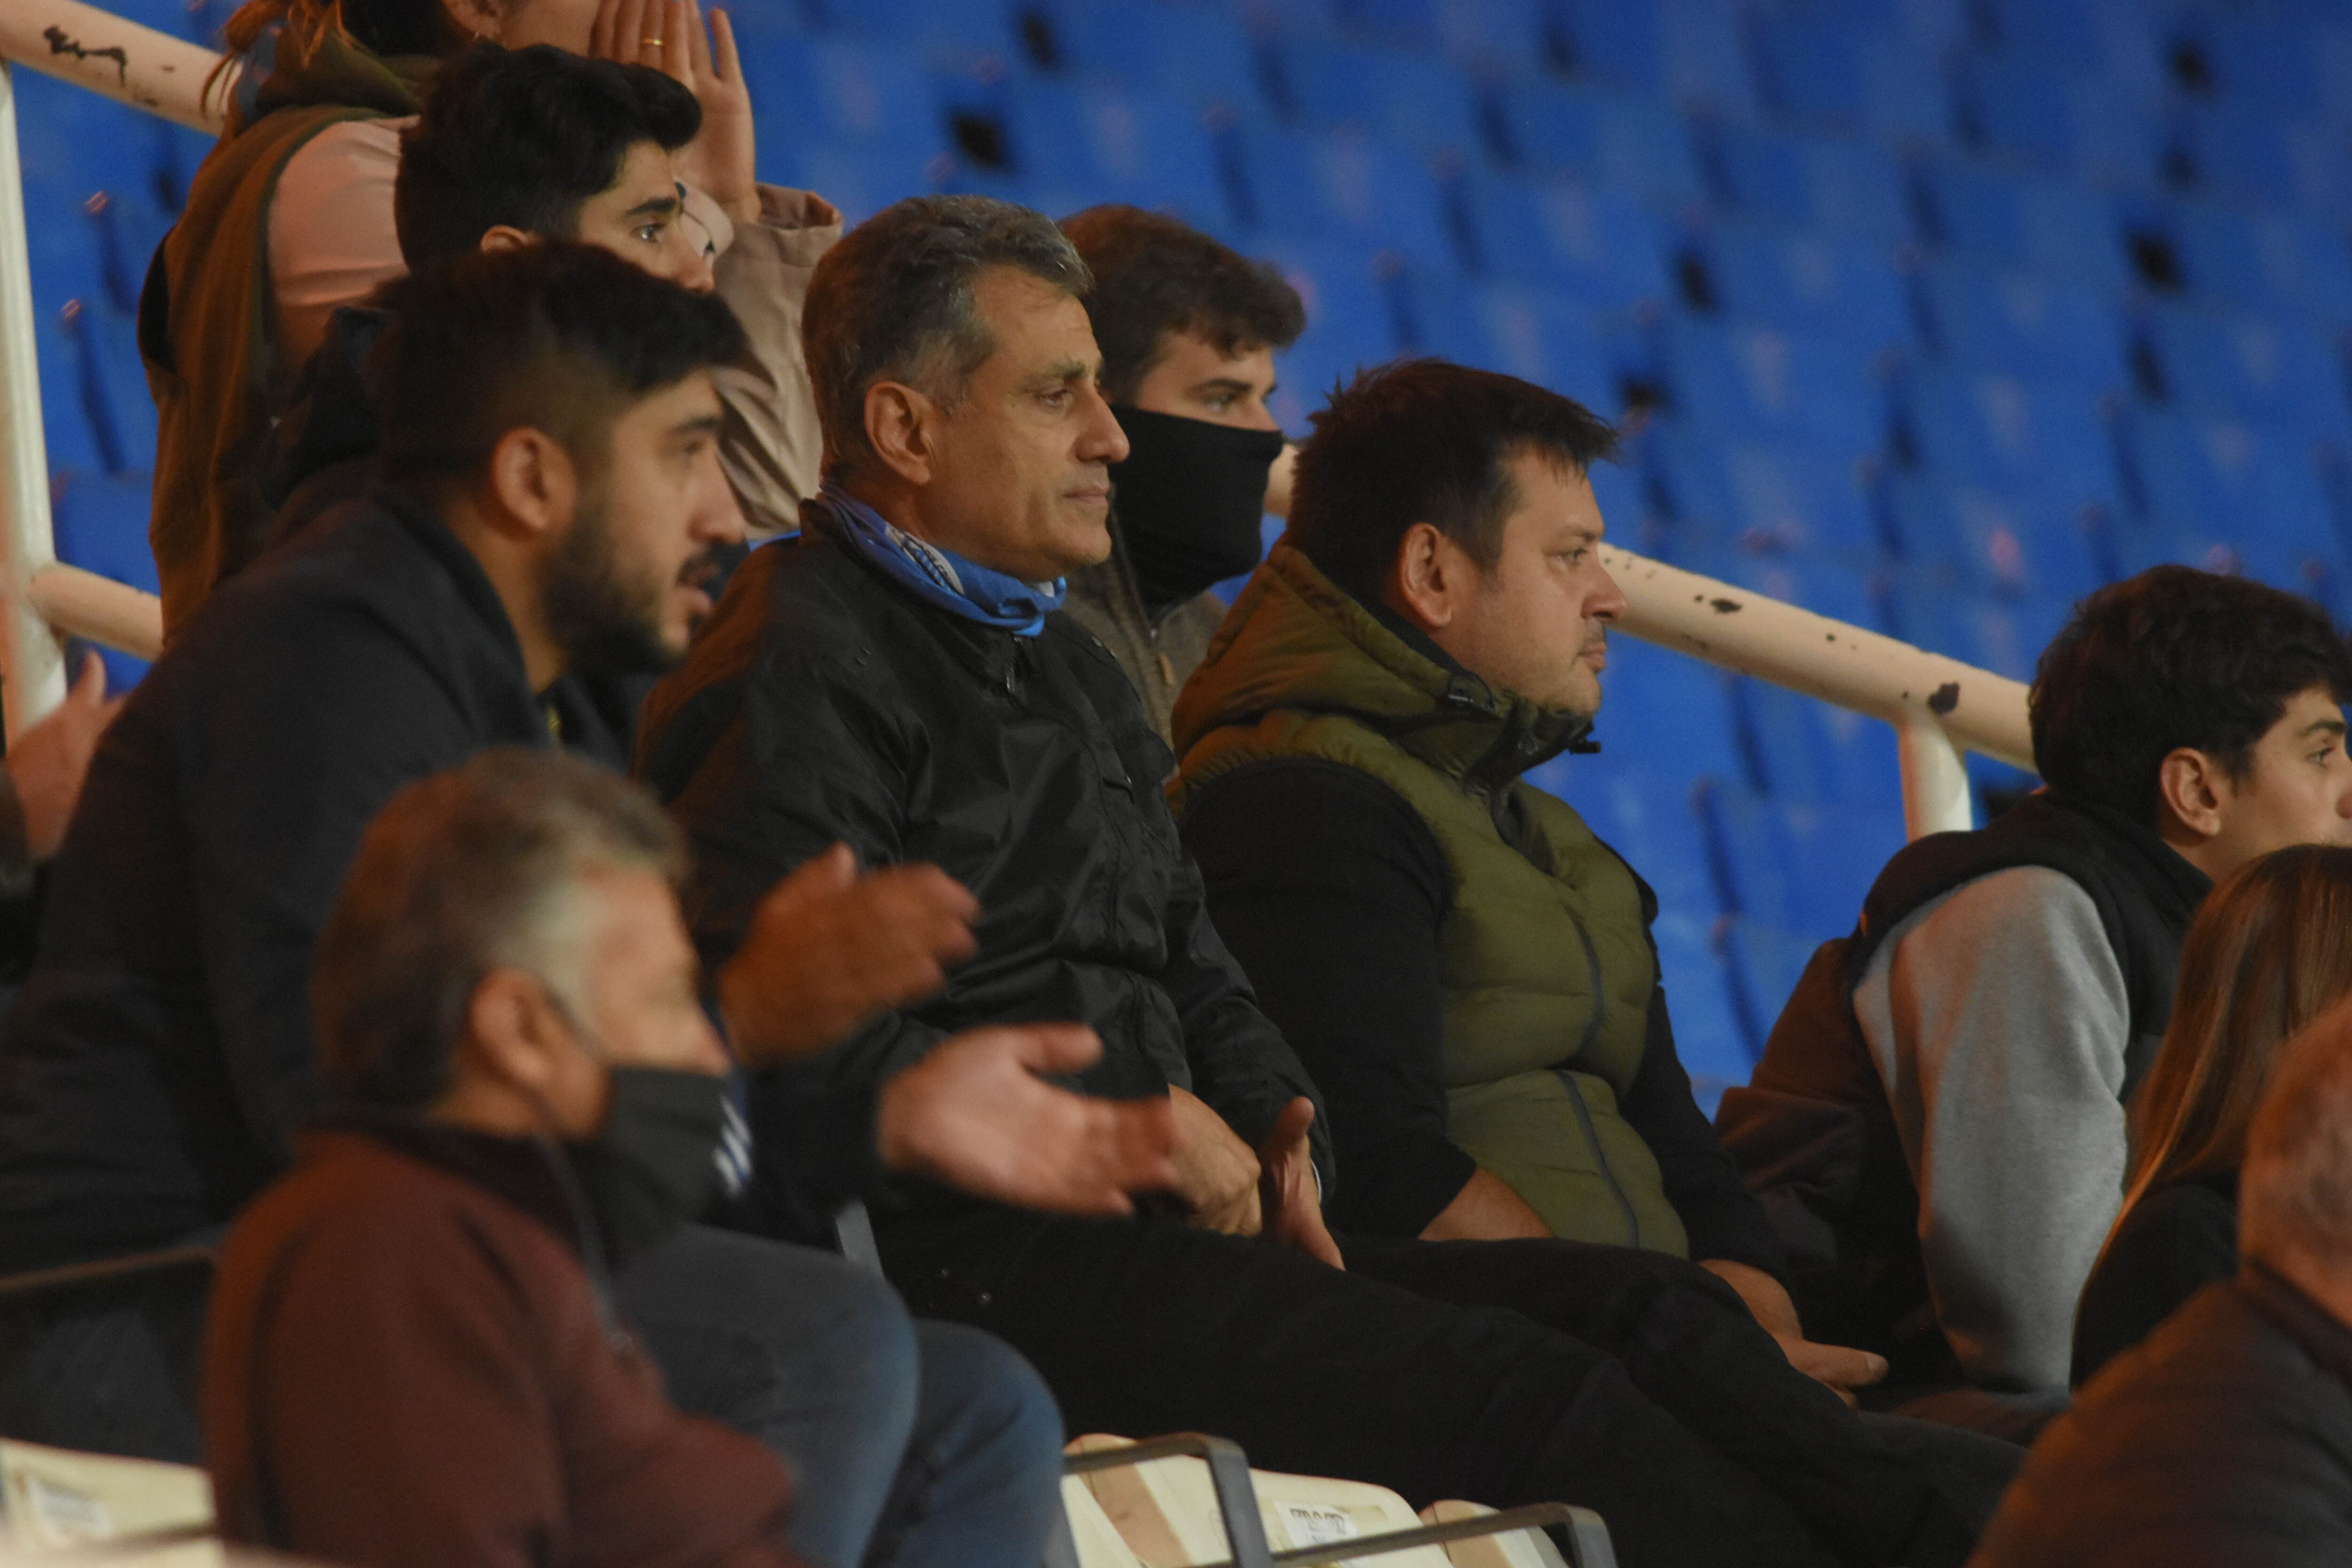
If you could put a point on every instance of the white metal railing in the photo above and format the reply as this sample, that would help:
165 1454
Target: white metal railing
1938 706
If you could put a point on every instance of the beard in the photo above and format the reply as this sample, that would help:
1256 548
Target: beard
607 622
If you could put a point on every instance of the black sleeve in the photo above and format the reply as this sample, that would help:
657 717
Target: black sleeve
1721 1216
1330 890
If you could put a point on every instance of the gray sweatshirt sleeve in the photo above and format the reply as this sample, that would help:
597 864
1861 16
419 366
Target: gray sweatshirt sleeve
1998 1018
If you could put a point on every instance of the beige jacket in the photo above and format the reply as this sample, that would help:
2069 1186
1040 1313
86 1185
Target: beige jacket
333 242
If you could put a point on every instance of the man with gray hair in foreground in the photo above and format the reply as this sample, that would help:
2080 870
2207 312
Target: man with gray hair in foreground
2226 1437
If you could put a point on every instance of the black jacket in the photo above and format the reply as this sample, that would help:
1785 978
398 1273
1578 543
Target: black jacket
2226 1438
2175 1241
823 703
162 1050
1812 1133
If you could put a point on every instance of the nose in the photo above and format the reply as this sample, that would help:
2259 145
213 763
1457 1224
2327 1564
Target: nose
689 266
718 517
1102 441
1608 601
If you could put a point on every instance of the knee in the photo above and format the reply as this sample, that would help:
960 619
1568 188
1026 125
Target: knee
980 1393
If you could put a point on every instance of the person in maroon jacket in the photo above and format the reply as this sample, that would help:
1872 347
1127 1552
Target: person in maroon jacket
414 1355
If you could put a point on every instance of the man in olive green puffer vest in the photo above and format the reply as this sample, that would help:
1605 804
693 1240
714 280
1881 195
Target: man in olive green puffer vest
1465 969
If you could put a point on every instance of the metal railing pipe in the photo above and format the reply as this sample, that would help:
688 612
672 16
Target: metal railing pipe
113 54
32 666
1828 659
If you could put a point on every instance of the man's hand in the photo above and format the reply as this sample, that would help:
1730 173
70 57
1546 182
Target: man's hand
1216 1175
669 36
1279 481
828 949
1288 1191
975 1114
1768 1301
50 759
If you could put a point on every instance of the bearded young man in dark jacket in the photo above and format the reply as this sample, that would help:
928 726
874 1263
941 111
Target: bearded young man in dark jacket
163 1053
1465 969
899 680
1188 329
2226 1436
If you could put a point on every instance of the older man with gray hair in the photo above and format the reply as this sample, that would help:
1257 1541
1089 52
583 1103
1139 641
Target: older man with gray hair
900 679
2226 1437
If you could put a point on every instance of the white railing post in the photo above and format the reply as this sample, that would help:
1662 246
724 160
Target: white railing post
1935 779
32 665
119 57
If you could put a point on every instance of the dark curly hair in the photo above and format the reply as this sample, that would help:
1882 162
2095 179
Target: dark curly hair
524 138
2169 659
1426 441
1154 276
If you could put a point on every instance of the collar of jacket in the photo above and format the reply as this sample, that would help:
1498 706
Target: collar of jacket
323 64
1296 642
417 519
993 654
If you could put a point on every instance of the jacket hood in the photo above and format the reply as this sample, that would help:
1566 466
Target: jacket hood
1294 642
324 65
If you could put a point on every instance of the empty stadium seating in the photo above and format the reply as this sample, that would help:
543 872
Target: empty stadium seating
1932 314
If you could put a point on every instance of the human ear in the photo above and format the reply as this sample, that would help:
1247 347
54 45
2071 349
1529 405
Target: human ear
902 425
514 1033
504 236
1426 578
534 482
2192 790
475 18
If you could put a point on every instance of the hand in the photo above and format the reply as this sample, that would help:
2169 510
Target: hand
828 949
50 759
1216 1175
976 1115
1277 482
1839 1368
720 159
1287 1190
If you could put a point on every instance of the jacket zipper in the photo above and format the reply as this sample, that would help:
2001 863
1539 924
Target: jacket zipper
1576 1092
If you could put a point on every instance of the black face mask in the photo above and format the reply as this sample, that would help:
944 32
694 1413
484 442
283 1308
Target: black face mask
1188 499
655 1165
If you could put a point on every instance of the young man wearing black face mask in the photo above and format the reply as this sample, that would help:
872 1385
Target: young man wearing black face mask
414 1354
1188 330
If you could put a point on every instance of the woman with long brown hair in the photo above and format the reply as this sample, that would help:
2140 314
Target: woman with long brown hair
2270 951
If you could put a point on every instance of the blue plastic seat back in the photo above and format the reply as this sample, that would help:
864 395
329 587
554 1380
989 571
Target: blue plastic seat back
1710 1036
1763 965
1758 382
2036 223
1336 187
1687 52
1542 336
2002 633
2042 438
2280 262
862 180
1813 750
1112 145
1799 866
2227 480
2224 364
1600 245
101 525
2061 119
2295 67
1351 323
1667 714
2250 151
1201 54
1815 182
950 31
1415 99
1765 497
1853 80
2005 545
1611 139
1814 283
846 92
1993 318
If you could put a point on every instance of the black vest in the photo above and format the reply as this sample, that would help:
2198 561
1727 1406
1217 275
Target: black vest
1811 1132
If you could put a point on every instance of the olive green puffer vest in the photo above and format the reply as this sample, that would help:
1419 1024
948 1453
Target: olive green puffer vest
1548 965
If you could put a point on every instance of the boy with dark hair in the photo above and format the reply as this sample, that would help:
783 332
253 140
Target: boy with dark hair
1466 972
1188 329
1938 1124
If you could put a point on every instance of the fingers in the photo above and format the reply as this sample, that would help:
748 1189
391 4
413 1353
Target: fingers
1289 1129
1066 1048
603 31
830 872
1837 1365
629 32
727 65
677 53
89 686
698 42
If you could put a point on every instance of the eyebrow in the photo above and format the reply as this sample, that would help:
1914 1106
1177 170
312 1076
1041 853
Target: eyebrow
1229 384
2324 727
1062 374
655 206
700 425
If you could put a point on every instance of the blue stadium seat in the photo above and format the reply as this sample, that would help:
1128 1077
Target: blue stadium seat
844 93
1687 52
1756 381
2006 545
2060 119
69 431
1668 715
2000 633
2044 224
1853 80
1710 1035
1989 319
1543 336
2082 33
1763 965
2280 262
1765 495
2229 365
2280 66
1798 866
860 180
1413 99
957 33
1345 188
1808 283
2250 151
1199 54
101 525
1608 138
1112 144
1598 244
1815 182
2043 439
1351 322
2220 480
1811 751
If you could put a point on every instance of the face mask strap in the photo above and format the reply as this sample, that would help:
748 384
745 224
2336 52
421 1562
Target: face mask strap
594 1260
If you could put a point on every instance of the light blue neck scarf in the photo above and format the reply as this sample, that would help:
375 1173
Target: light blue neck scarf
941 577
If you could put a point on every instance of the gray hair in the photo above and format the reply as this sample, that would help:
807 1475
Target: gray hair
467 871
2294 1190
893 302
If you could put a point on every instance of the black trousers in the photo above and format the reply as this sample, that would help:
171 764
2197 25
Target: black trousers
1504 1373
